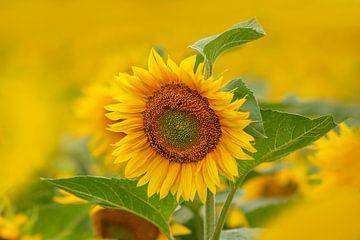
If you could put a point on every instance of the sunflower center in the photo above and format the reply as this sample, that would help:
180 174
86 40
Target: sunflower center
180 125
179 129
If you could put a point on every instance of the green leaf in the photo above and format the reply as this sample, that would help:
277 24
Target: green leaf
241 234
59 222
285 133
199 59
240 90
120 194
212 47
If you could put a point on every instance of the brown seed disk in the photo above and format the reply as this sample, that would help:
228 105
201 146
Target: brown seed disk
177 97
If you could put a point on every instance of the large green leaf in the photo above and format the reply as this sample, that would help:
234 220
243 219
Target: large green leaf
59 222
241 234
212 47
120 194
285 133
240 90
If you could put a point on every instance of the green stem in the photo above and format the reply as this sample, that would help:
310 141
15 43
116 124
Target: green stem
209 223
224 212
199 224
225 209
198 220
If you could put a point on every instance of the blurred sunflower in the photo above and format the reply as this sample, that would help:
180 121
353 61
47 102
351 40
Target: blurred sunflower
10 229
91 114
123 225
182 131
236 218
331 215
284 183
337 158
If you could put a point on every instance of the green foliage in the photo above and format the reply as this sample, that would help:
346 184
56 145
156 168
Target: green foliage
59 222
259 212
285 133
241 233
212 47
35 194
256 128
199 59
120 194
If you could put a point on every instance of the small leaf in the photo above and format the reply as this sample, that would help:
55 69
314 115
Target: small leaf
285 133
256 128
199 59
212 47
120 194
241 233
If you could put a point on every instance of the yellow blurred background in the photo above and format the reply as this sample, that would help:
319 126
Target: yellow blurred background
50 50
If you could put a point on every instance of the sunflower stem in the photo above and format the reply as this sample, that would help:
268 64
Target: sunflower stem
225 209
199 223
209 224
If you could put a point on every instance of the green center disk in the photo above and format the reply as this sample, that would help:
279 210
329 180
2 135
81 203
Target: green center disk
179 129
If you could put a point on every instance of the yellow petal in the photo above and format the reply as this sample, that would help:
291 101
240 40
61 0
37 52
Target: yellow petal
212 169
200 186
188 64
179 229
157 179
188 180
209 183
139 164
152 166
172 174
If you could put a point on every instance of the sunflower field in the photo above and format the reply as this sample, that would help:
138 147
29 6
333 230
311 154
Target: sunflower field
180 120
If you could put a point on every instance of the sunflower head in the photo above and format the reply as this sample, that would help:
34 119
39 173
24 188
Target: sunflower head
337 158
286 182
182 131
122 225
91 121
180 125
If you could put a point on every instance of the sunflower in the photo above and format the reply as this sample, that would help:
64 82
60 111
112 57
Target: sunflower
287 182
337 158
331 215
90 113
120 224
11 228
182 131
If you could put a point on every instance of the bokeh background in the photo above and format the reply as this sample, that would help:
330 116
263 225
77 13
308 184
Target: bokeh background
51 50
